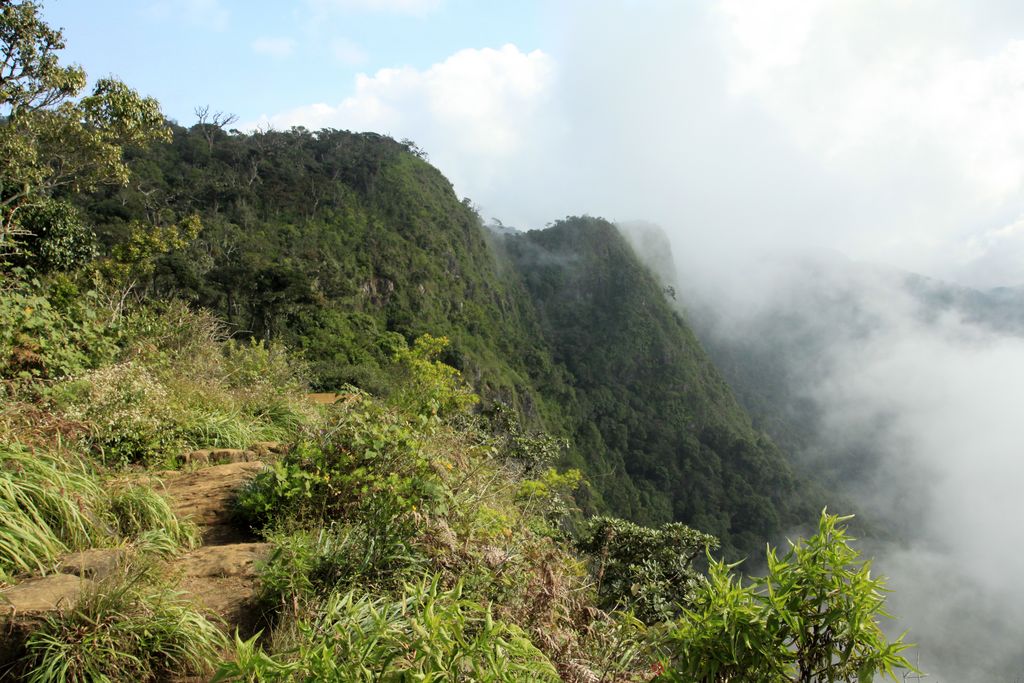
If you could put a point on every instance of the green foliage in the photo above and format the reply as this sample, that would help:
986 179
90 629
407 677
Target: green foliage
55 237
814 617
307 566
531 451
427 634
553 496
128 627
51 330
138 510
367 466
50 505
425 385
185 387
648 570
47 507
52 138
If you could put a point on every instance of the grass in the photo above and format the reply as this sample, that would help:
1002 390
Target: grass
48 506
52 504
128 627
427 633
138 510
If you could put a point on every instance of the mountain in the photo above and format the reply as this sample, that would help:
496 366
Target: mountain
658 428
339 244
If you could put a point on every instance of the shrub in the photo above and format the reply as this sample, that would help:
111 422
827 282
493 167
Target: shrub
129 412
307 566
647 570
425 385
813 617
52 330
368 466
184 387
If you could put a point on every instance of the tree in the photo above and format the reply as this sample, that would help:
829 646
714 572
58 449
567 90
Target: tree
52 140
813 618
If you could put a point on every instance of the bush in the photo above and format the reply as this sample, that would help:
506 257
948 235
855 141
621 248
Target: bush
368 467
647 570
813 617
185 387
307 566
425 385
52 330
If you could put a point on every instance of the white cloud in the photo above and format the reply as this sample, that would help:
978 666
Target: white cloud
895 98
473 113
348 52
273 47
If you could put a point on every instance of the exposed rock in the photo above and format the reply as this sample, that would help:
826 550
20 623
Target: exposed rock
223 580
41 596
95 563
219 456
264 449
23 608
206 497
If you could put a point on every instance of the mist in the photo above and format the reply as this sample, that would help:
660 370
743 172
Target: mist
803 160
911 406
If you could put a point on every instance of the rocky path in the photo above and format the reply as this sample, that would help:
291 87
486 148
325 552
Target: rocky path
220 575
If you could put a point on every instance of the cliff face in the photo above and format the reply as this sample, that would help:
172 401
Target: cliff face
660 432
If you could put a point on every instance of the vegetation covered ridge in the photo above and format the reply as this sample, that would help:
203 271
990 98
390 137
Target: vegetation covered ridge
168 291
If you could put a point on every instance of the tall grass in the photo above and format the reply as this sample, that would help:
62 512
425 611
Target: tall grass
426 634
181 385
137 510
47 507
51 504
127 628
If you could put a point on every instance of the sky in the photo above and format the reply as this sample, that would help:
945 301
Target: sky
891 131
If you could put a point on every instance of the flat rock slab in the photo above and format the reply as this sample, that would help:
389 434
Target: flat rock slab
224 561
206 497
24 607
222 579
95 563
41 596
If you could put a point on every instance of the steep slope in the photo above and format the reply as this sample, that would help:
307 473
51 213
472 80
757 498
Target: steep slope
656 425
333 242
346 245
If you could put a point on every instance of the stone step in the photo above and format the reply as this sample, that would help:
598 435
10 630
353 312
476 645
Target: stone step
223 581
206 497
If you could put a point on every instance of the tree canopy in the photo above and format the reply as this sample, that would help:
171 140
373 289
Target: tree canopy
55 141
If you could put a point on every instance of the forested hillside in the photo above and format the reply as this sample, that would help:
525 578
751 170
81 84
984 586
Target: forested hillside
344 245
660 432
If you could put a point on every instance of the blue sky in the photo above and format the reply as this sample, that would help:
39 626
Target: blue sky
888 131
255 58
